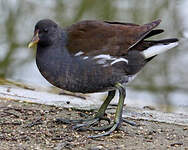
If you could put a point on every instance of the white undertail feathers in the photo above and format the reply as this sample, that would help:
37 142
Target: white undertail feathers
157 49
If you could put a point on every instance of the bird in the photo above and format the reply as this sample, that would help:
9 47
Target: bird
96 56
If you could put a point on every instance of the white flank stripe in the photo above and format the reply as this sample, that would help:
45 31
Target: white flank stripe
118 60
79 53
102 56
157 49
85 57
101 61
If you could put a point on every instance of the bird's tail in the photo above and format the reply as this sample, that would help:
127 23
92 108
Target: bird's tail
159 47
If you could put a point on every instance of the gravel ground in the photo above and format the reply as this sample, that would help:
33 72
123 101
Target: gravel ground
30 126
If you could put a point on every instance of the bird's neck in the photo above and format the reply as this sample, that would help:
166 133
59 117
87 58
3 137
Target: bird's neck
51 56
51 62
54 53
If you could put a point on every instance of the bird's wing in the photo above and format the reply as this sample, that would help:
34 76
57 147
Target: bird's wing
113 38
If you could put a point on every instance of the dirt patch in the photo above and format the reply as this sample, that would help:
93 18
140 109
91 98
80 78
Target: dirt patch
32 126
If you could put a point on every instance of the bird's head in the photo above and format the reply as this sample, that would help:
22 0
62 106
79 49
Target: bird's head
45 33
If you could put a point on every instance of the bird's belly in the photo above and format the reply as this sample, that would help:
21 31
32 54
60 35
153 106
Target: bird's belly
85 81
80 77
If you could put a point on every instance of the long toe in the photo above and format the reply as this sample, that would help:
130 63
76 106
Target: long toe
103 128
114 127
87 124
74 121
68 121
132 123
93 122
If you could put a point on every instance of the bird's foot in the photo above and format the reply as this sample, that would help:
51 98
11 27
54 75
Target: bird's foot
83 124
68 121
89 124
108 128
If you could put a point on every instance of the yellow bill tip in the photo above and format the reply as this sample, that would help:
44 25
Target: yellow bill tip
35 40
31 44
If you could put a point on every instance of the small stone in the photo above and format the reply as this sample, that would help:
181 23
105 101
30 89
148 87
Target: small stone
30 112
68 102
176 144
149 107
150 137
97 148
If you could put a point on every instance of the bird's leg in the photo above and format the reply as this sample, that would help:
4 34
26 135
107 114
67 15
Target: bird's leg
118 115
90 121
99 115
102 109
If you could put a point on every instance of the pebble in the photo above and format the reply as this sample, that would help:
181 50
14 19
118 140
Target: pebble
97 148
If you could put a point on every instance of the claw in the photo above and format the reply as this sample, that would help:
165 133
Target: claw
130 122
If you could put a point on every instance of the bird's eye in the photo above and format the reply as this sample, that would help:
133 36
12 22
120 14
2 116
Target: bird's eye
45 30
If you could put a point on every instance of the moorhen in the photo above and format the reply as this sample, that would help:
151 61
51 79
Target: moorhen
95 56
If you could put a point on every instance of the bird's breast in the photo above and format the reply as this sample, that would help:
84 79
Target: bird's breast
77 74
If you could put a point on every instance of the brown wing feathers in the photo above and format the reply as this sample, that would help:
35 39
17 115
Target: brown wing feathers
112 38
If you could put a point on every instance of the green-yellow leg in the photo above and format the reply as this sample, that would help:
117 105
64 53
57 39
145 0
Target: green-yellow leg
100 114
118 115
93 120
